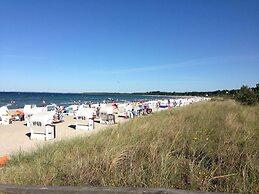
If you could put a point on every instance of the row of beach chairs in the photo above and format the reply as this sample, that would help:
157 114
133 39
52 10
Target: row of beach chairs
40 119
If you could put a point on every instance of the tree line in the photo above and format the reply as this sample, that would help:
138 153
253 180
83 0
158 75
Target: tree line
244 95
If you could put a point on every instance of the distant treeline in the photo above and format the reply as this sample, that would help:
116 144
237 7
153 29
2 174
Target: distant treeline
230 93
193 93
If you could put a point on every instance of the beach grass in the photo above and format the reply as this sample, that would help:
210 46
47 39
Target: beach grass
208 146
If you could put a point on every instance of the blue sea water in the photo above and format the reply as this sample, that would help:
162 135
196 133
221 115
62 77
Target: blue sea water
19 99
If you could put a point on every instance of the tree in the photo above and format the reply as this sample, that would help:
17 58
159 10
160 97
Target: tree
257 91
246 96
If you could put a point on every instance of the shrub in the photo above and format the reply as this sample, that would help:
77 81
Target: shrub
257 92
246 96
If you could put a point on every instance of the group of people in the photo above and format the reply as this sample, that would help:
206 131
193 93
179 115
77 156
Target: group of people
134 110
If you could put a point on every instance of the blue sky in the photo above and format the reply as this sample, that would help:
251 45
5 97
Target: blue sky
128 45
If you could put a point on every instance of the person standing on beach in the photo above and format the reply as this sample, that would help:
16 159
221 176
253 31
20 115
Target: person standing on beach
157 105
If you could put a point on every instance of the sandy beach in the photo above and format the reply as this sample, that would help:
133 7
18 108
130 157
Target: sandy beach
15 137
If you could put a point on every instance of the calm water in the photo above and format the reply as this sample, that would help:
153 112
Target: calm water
22 98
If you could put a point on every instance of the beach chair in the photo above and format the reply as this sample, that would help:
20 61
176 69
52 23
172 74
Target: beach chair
84 119
129 111
30 110
150 105
122 110
107 116
51 107
41 127
72 110
83 107
5 118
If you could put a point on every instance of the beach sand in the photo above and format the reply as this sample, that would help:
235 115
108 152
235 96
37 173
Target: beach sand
15 137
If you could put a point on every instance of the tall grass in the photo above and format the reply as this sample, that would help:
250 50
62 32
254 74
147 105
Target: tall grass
211 146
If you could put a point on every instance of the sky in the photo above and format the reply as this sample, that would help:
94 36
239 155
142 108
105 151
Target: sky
128 45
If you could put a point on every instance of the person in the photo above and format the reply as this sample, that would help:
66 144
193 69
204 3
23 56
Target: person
55 118
20 115
115 106
157 105
98 108
60 116
174 103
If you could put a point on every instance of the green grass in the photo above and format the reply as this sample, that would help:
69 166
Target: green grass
210 146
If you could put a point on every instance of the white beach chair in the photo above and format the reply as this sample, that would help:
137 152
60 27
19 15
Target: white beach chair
50 108
84 119
153 105
5 118
184 102
122 110
72 110
30 110
129 111
27 111
83 106
41 126
107 116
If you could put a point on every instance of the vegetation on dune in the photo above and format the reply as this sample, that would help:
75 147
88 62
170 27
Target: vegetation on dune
210 146
247 96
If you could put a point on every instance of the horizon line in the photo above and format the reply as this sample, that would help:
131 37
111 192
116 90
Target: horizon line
116 92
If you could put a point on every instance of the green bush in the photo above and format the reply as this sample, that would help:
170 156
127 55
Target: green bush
246 96
257 92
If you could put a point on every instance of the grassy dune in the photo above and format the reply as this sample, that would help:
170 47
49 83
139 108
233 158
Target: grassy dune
210 146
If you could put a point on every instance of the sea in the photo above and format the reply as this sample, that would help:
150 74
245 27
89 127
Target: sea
14 100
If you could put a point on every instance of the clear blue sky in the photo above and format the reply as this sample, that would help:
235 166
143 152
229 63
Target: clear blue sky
128 45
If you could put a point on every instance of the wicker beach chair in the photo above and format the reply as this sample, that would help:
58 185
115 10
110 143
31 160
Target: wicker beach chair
84 119
122 110
41 126
107 116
